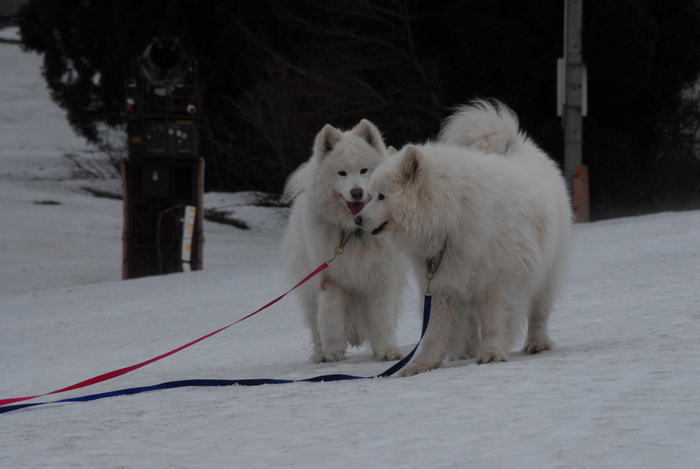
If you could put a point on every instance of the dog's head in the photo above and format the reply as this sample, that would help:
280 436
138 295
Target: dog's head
392 187
346 160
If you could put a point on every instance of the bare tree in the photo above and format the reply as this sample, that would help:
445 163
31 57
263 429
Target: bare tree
343 61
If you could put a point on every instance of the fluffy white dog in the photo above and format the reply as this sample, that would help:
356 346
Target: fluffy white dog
495 208
357 298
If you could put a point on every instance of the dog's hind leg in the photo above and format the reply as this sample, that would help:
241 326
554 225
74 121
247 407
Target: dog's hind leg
496 309
469 333
537 336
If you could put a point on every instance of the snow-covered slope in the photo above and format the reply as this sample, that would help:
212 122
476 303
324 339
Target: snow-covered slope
620 389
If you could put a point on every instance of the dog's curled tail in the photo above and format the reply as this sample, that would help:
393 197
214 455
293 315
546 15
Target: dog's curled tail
489 126
296 183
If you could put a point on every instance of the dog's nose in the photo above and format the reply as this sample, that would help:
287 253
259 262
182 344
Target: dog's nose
356 193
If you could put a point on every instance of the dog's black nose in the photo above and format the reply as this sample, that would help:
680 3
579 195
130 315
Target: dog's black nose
356 193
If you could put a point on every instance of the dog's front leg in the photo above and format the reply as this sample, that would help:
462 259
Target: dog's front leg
331 320
381 311
438 336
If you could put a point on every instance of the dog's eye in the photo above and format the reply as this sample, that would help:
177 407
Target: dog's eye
363 170
380 197
342 173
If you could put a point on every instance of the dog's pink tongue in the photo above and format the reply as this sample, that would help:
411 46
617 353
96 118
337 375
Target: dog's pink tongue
355 207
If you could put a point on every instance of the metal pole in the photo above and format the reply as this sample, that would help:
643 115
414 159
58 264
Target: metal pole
574 89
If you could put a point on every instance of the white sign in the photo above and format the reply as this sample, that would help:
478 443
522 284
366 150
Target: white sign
187 232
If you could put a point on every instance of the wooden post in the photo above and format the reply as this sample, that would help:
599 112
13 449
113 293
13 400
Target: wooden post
125 232
581 203
199 224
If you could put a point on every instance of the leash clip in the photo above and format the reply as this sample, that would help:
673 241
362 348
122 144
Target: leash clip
432 267
340 247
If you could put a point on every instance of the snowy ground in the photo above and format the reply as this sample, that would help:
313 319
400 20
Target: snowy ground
620 389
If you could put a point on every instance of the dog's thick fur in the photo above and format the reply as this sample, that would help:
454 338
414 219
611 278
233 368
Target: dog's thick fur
498 207
357 298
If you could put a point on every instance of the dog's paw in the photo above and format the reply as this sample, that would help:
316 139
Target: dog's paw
333 357
466 355
491 355
388 355
317 355
415 368
538 345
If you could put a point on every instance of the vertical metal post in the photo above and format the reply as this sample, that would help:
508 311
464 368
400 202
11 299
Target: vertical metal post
573 56
572 97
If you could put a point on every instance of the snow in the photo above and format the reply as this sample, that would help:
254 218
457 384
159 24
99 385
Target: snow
619 391
10 34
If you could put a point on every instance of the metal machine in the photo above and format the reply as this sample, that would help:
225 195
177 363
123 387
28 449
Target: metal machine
163 176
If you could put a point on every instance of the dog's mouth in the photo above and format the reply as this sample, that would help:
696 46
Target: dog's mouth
379 229
355 207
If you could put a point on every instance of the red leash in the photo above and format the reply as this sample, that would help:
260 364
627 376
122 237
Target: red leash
123 371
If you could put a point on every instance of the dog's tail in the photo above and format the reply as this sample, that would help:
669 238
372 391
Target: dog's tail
295 184
489 126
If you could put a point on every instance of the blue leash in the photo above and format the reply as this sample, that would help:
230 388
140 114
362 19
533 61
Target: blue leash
239 382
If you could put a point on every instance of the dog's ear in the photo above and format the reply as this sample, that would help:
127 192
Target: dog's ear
411 164
326 140
369 132
391 150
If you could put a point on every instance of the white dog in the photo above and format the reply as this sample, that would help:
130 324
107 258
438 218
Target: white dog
357 298
495 208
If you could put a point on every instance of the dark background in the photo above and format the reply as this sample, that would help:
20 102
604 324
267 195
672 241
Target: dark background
276 71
